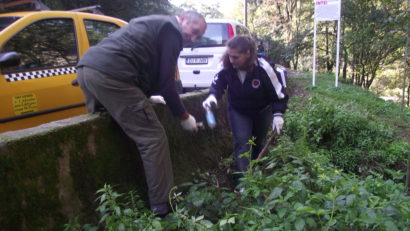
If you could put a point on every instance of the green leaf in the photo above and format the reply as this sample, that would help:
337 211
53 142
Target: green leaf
207 223
157 225
299 224
282 212
289 195
89 227
199 218
350 198
121 227
298 185
102 198
322 211
332 222
369 217
275 193
390 226
306 209
311 222
258 212
297 205
198 202
104 218
127 211
117 210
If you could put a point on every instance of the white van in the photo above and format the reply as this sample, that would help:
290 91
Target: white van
201 60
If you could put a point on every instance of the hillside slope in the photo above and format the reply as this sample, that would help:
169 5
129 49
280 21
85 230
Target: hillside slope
300 86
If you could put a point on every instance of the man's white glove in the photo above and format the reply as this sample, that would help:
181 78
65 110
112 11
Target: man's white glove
157 99
277 124
189 124
208 102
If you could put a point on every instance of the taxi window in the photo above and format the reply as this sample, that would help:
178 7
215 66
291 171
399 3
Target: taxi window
97 30
48 43
6 21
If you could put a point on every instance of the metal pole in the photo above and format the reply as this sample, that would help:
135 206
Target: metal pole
337 53
245 13
338 44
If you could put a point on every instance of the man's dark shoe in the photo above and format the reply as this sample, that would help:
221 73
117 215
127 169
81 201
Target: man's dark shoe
160 210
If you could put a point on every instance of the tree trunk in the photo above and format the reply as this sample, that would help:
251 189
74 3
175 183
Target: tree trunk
329 64
345 61
408 176
361 78
408 99
370 80
353 73
406 64
296 60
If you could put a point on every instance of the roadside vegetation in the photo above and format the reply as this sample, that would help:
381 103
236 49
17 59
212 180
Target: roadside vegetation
339 165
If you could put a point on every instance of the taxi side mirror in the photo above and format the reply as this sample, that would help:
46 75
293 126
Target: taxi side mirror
9 59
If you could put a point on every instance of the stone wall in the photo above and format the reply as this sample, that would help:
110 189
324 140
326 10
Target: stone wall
50 174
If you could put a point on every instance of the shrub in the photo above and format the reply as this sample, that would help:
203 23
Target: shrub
290 189
354 141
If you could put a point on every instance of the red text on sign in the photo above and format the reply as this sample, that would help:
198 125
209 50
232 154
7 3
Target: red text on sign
321 2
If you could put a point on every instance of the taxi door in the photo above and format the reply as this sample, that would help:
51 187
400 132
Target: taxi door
50 44
39 90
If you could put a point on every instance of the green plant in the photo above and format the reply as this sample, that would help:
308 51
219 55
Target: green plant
355 141
308 181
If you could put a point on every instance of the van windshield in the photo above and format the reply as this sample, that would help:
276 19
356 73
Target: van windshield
6 21
216 34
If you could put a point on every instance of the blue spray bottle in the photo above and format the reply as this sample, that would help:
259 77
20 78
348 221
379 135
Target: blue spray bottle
210 118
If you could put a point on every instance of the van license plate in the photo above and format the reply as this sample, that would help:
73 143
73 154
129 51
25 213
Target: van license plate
196 60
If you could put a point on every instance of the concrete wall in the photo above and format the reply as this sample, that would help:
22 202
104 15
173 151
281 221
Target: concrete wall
50 173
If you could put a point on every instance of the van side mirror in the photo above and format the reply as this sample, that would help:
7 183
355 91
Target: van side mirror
9 59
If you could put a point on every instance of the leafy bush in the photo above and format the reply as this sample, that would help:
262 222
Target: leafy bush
290 189
355 141
120 212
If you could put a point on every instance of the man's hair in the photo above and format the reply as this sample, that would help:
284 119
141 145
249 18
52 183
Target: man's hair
243 44
192 16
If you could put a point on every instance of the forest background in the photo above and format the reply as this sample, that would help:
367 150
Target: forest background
373 37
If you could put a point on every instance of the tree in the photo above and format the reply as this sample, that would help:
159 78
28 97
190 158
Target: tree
207 10
283 24
375 36
124 9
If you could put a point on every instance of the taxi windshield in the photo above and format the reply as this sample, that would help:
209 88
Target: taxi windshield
6 21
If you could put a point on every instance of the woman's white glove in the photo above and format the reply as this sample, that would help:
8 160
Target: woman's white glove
189 124
208 102
277 123
157 99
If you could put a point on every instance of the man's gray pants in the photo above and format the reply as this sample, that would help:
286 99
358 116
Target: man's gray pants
131 109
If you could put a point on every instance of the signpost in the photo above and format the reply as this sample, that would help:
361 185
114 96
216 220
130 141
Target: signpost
327 10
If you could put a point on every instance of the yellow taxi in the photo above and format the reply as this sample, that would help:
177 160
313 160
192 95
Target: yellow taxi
38 54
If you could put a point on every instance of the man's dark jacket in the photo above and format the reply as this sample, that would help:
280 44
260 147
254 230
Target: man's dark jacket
131 53
144 53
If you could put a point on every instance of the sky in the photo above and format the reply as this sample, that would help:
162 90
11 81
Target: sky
225 5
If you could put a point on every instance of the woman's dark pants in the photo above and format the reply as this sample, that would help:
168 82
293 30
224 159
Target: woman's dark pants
244 127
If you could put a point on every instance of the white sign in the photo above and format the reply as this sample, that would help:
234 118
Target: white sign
327 10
